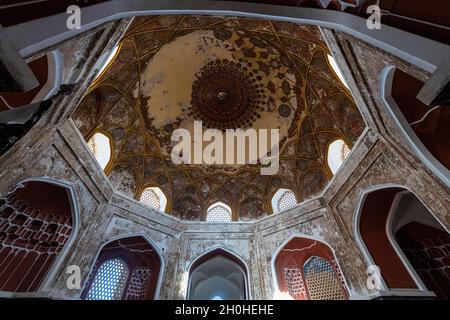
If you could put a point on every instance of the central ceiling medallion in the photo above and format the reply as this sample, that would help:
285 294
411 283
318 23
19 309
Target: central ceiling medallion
226 95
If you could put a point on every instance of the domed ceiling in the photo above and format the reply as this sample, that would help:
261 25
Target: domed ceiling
229 73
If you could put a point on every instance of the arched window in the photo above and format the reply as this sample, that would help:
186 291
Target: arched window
307 269
336 70
100 147
128 268
337 152
154 197
109 281
219 212
283 199
321 280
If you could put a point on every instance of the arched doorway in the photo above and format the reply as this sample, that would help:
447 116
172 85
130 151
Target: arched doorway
306 269
218 275
403 238
126 269
37 219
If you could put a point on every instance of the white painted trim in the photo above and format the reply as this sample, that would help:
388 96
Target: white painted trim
54 76
385 88
128 235
435 84
229 251
50 276
310 237
417 50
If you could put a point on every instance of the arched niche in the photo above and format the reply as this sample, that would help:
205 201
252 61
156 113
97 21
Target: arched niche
38 223
218 275
425 128
140 260
398 233
307 269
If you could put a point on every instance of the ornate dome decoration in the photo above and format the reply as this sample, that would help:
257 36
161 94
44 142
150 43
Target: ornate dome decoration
225 96
230 73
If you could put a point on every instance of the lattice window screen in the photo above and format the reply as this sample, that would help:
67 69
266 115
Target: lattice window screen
219 214
91 145
150 198
287 201
345 151
321 280
294 282
139 283
109 282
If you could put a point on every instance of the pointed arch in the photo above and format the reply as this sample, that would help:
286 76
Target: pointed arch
148 252
154 197
288 263
219 212
100 146
387 80
283 199
228 258
377 236
336 154
25 206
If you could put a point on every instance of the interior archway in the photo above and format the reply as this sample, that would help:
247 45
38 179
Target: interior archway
218 275
430 124
401 236
36 223
141 262
307 269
